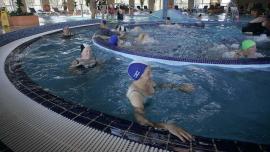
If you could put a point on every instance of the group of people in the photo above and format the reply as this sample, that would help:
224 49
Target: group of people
142 85
118 35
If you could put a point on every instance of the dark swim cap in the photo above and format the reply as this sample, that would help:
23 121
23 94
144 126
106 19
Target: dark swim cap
113 40
136 69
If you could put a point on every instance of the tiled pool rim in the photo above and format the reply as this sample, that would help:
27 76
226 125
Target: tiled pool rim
118 127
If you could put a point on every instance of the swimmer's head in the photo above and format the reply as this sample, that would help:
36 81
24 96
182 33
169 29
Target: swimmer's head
246 44
104 22
121 28
136 69
113 40
168 18
83 46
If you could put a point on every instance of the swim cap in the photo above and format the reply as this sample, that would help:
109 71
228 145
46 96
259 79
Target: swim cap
246 44
136 69
121 28
104 21
113 40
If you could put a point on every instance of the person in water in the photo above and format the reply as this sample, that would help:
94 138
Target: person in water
142 87
257 26
67 32
86 60
103 24
144 38
266 24
248 50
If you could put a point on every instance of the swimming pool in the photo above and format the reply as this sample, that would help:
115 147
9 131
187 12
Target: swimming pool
219 94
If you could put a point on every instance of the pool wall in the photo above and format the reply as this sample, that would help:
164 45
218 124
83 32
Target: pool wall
33 119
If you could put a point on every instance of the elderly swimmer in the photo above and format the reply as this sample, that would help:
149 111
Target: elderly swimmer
143 87
87 60
66 32
248 50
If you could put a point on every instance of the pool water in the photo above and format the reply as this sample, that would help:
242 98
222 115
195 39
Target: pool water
226 103
210 42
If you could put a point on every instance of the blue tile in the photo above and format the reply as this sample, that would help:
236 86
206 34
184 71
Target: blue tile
39 99
139 129
47 104
158 134
105 119
203 143
48 97
91 114
57 109
115 131
156 143
134 137
97 125
225 145
78 109
66 105
69 115
82 120
58 101
121 123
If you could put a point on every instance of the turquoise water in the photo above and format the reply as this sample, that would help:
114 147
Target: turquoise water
226 103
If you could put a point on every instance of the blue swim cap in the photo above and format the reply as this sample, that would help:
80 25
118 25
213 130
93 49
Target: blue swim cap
136 69
113 40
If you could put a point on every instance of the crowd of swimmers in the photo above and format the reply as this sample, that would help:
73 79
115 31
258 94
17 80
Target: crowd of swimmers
142 85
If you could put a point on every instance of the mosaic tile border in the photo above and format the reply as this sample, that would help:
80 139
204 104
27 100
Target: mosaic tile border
119 127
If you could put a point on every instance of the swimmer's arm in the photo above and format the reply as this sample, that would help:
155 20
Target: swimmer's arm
179 132
103 37
248 33
184 87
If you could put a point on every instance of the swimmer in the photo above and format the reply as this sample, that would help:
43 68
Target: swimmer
266 24
136 30
141 88
103 24
86 60
121 31
168 21
248 50
67 32
257 26
116 42
199 16
169 24
144 38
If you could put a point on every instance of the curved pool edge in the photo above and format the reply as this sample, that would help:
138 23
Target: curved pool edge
22 118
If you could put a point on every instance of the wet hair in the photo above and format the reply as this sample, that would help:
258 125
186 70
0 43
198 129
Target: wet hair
121 28
168 18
